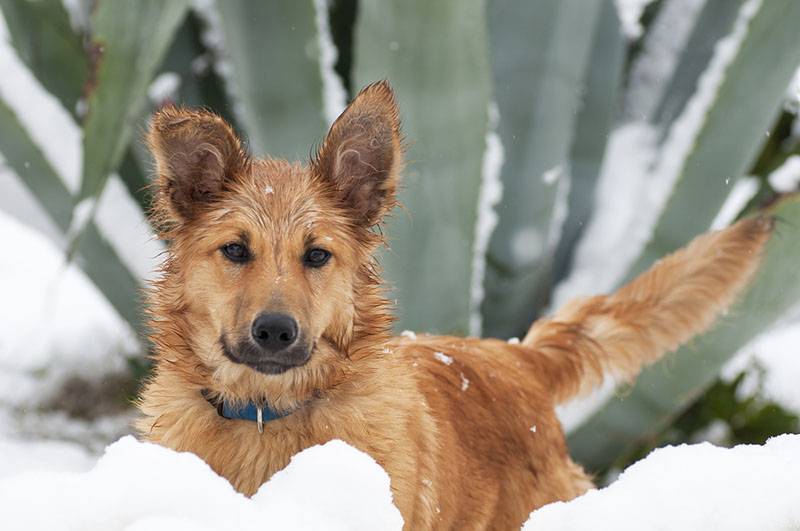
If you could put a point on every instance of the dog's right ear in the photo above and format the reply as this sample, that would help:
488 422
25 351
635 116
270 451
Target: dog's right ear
197 156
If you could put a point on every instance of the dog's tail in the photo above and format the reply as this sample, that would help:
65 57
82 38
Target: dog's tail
678 297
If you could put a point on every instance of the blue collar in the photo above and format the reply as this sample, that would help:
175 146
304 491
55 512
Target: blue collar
249 411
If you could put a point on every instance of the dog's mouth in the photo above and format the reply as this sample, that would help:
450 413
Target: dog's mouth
246 353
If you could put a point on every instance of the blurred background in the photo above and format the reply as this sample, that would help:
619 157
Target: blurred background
557 148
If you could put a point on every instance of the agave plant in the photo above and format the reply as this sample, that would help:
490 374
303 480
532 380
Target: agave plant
548 147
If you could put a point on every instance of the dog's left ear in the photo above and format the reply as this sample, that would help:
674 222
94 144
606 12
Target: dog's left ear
362 155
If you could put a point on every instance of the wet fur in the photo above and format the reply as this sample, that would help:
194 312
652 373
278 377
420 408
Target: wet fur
456 439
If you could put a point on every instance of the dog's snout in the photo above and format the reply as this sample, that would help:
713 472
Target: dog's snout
274 331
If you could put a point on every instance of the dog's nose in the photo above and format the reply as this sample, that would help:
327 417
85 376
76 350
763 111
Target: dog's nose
274 331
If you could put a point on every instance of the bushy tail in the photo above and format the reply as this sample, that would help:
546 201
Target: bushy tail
676 299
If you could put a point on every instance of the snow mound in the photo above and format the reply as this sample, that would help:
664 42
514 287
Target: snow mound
54 322
142 486
692 487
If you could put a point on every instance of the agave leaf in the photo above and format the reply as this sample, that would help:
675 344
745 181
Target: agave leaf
593 125
540 52
714 21
200 85
129 41
273 54
434 54
28 162
663 390
94 253
41 33
733 130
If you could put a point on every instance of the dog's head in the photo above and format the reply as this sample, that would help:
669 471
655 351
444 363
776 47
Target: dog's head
270 262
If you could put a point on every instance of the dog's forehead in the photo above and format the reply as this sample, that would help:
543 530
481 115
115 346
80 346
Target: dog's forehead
281 198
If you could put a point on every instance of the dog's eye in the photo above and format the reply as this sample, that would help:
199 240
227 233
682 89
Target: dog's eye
316 257
236 252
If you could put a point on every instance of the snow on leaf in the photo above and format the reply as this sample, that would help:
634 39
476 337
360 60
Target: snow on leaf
490 194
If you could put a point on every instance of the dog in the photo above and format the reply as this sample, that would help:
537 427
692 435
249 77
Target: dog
272 333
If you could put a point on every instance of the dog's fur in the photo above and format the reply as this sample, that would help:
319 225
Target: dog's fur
455 438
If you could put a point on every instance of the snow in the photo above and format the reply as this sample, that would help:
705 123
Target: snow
786 177
691 487
334 96
51 127
143 486
637 178
21 455
489 196
577 411
213 38
444 358
655 65
742 192
82 213
792 103
164 87
616 231
121 221
630 11
777 351
54 323
552 175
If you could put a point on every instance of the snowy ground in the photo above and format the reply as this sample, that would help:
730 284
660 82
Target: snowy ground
692 487
141 486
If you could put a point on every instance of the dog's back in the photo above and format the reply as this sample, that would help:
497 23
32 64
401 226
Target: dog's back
501 448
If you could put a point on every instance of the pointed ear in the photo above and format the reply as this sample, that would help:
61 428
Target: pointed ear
197 156
362 155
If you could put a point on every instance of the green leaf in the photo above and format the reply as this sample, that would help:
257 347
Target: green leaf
714 21
733 129
129 41
592 128
200 85
540 52
94 253
28 162
435 56
41 33
666 388
274 59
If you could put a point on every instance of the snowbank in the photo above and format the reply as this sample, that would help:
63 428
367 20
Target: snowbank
54 323
777 351
141 486
692 487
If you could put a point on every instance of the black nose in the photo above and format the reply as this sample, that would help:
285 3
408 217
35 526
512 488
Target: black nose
274 331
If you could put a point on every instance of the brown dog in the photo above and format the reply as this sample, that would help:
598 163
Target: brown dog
270 296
